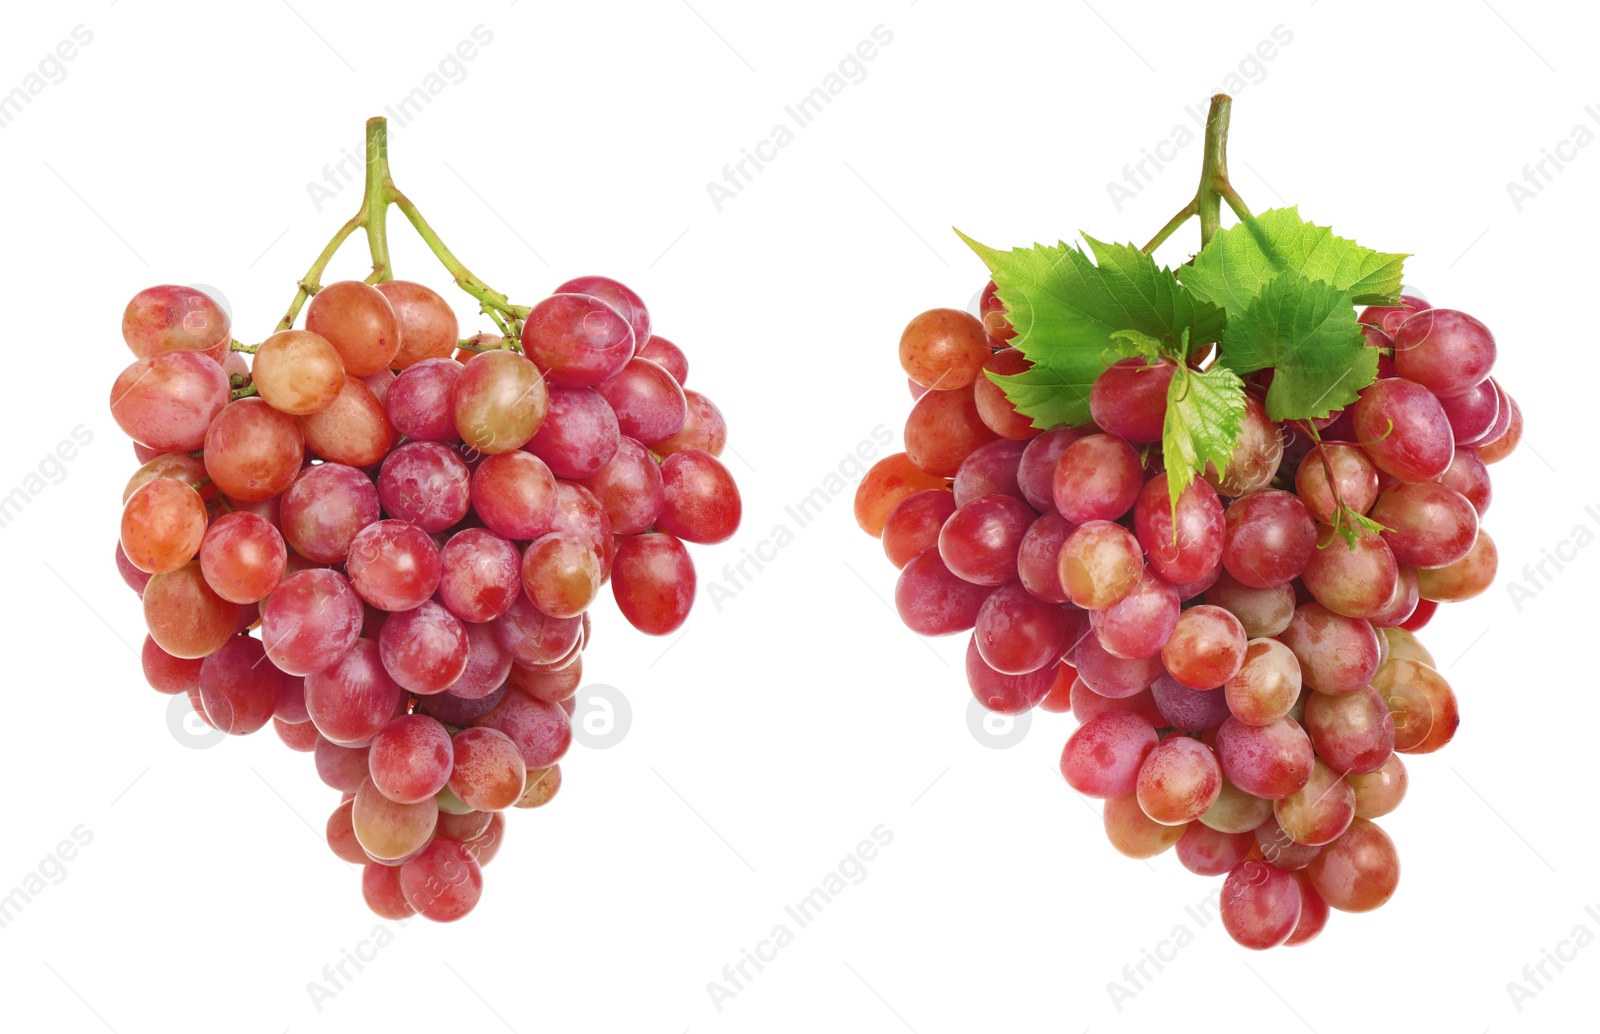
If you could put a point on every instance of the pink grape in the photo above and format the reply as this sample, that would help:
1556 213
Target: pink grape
1206 648
1270 761
1207 852
932 600
242 557
514 494
500 400
324 508
1359 871
579 434
1113 676
532 637
665 354
578 339
990 470
1185 709
1178 781
1137 625
1318 812
1097 478
653 581
167 401
410 759
1354 482
480 574
1100 563
421 402
1017 633
980 540
354 698
1266 685
1103 757
648 402
541 730
1256 454
700 501
1187 547
630 488
1446 351
1129 399
913 525
488 771
443 883
1403 429
1262 612
238 689
1269 538
1038 555
1036 472
1260 905
424 649
1357 581
393 565
1337 654
1005 693
426 484
1427 524
310 621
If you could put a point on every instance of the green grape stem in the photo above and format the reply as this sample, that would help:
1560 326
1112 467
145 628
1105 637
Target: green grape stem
379 194
1214 186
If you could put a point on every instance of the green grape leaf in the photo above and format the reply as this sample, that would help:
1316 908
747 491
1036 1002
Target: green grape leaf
1130 344
1306 331
1241 260
1350 526
1065 309
1204 410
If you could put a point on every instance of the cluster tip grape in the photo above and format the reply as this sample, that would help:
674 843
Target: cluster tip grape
1241 660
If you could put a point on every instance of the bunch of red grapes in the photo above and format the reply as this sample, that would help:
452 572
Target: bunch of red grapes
1244 677
384 542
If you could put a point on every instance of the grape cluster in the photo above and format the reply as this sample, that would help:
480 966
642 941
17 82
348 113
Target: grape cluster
384 542
1241 660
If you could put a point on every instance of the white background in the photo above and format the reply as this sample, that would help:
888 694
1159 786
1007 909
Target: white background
777 731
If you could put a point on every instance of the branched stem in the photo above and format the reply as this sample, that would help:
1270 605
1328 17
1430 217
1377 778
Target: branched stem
379 194
1214 186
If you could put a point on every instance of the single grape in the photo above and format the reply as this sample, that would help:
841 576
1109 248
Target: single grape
1313 913
354 698
704 428
990 470
1100 563
358 321
480 575
943 349
1236 811
1109 675
1260 905
514 494
1182 543
913 525
1188 710
393 565
1403 429
1473 413
1137 625
579 434
380 888
324 509
1319 811
1336 654
666 355
1445 351
163 525
1270 761
1129 399
533 637
488 771
1132 833
1357 581
653 581
185 616
649 404
1496 447
1469 475
997 411
630 488
1355 733
944 428
1256 454
443 883
167 401
1178 781
500 401
424 649
1097 478
890 480
1102 758
239 690
410 759
354 430
1379 793
992 311
242 557
166 673
579 514
170 318
425 484
1269 538
297 372
1267 684
979 542
578 339
388 830
421 402
932 600
310 621
561 574
700 502
1359 871
252 451
428 326
1427 524
1207 852
1038 555
1354 480
1262 612
1017 633
1423 706
1036 472
1465 578
541 787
